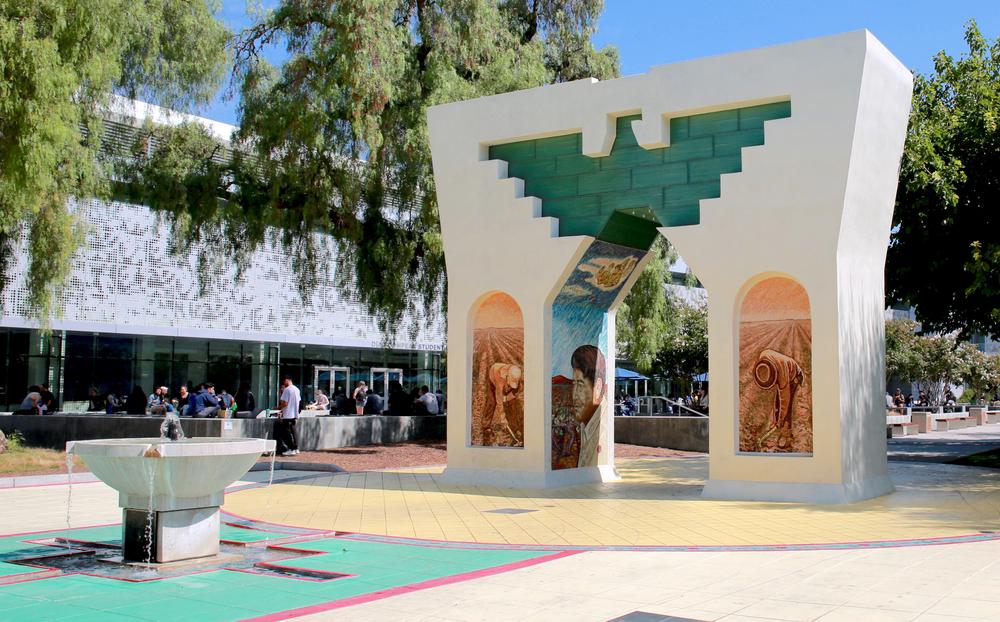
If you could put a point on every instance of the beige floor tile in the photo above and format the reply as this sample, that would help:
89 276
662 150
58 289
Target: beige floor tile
966 607
786 610
872 599
865 614
654 503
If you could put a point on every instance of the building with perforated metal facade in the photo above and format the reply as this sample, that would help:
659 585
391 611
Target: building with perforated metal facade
134 314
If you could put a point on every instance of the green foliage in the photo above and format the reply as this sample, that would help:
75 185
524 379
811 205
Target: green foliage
335 140
15 441
642 321
657 331
940 364
902 360
685 350
60 61
944 255
980 372
937 360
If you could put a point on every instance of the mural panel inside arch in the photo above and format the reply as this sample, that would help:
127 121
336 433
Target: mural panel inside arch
498 373
582 369
776 368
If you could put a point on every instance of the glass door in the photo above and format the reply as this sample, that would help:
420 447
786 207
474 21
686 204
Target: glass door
332 380
381 377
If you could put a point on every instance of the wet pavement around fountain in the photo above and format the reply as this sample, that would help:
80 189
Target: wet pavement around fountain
402 545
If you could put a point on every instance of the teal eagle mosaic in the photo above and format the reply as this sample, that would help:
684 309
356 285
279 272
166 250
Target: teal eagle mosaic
624 197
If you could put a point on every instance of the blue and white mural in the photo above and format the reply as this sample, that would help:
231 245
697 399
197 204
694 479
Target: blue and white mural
580 347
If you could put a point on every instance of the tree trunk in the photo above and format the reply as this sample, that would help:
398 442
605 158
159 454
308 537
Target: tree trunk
3 442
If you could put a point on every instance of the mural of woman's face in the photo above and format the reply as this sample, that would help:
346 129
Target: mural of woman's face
587 396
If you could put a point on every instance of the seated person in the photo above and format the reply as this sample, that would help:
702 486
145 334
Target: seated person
322 402
135 404
32 402
97 402
400 404
419 408
158 403
227 404
373 404
205 402
429 400
345 405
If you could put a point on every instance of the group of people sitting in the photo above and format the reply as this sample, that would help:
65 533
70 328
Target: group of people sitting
38 401
204 401
363 401
208 401
898 400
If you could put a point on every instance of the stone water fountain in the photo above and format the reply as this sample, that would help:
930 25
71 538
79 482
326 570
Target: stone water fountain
169 490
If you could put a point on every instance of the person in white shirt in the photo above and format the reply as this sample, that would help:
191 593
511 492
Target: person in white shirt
284 427
428 399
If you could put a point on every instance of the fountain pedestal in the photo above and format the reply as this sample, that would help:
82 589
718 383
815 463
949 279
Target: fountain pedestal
170 492
169 536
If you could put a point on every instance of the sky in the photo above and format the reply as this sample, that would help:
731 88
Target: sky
655 32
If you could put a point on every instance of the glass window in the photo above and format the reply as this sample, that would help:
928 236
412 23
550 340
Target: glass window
225 365
191 349
80 345
17 370
291 364
114 347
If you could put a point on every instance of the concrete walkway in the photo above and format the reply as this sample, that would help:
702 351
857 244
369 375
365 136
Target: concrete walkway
949 579
954 583
945 446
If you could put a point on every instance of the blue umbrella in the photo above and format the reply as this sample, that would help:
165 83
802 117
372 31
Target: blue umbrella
627 374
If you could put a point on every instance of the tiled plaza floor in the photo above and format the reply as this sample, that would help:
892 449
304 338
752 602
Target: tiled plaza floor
645 544
656 503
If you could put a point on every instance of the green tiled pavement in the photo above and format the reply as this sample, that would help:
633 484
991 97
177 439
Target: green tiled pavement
239 534
230 595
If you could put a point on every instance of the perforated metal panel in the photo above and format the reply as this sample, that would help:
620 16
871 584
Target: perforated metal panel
125 280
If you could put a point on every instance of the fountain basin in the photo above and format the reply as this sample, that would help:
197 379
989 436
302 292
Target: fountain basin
170 491
190 473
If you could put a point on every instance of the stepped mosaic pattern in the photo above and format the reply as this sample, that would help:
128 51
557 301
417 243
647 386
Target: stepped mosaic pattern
623 197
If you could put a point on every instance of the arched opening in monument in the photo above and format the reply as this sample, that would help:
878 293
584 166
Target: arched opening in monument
497 369
621 200
775 368
583 353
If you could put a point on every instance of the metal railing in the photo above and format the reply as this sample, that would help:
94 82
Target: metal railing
659 406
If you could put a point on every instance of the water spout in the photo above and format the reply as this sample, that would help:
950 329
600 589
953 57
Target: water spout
171 429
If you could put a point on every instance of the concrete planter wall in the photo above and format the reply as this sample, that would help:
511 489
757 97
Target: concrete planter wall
684 433
53 431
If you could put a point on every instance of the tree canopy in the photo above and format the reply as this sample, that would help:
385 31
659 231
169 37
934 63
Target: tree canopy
657 331
938 360
334 141
944 255
643 319
60 62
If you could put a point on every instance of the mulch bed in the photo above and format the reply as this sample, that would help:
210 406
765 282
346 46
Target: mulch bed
403 455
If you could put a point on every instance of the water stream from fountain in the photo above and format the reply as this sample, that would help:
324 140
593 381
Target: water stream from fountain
270 476
270 480
149 511
69 493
